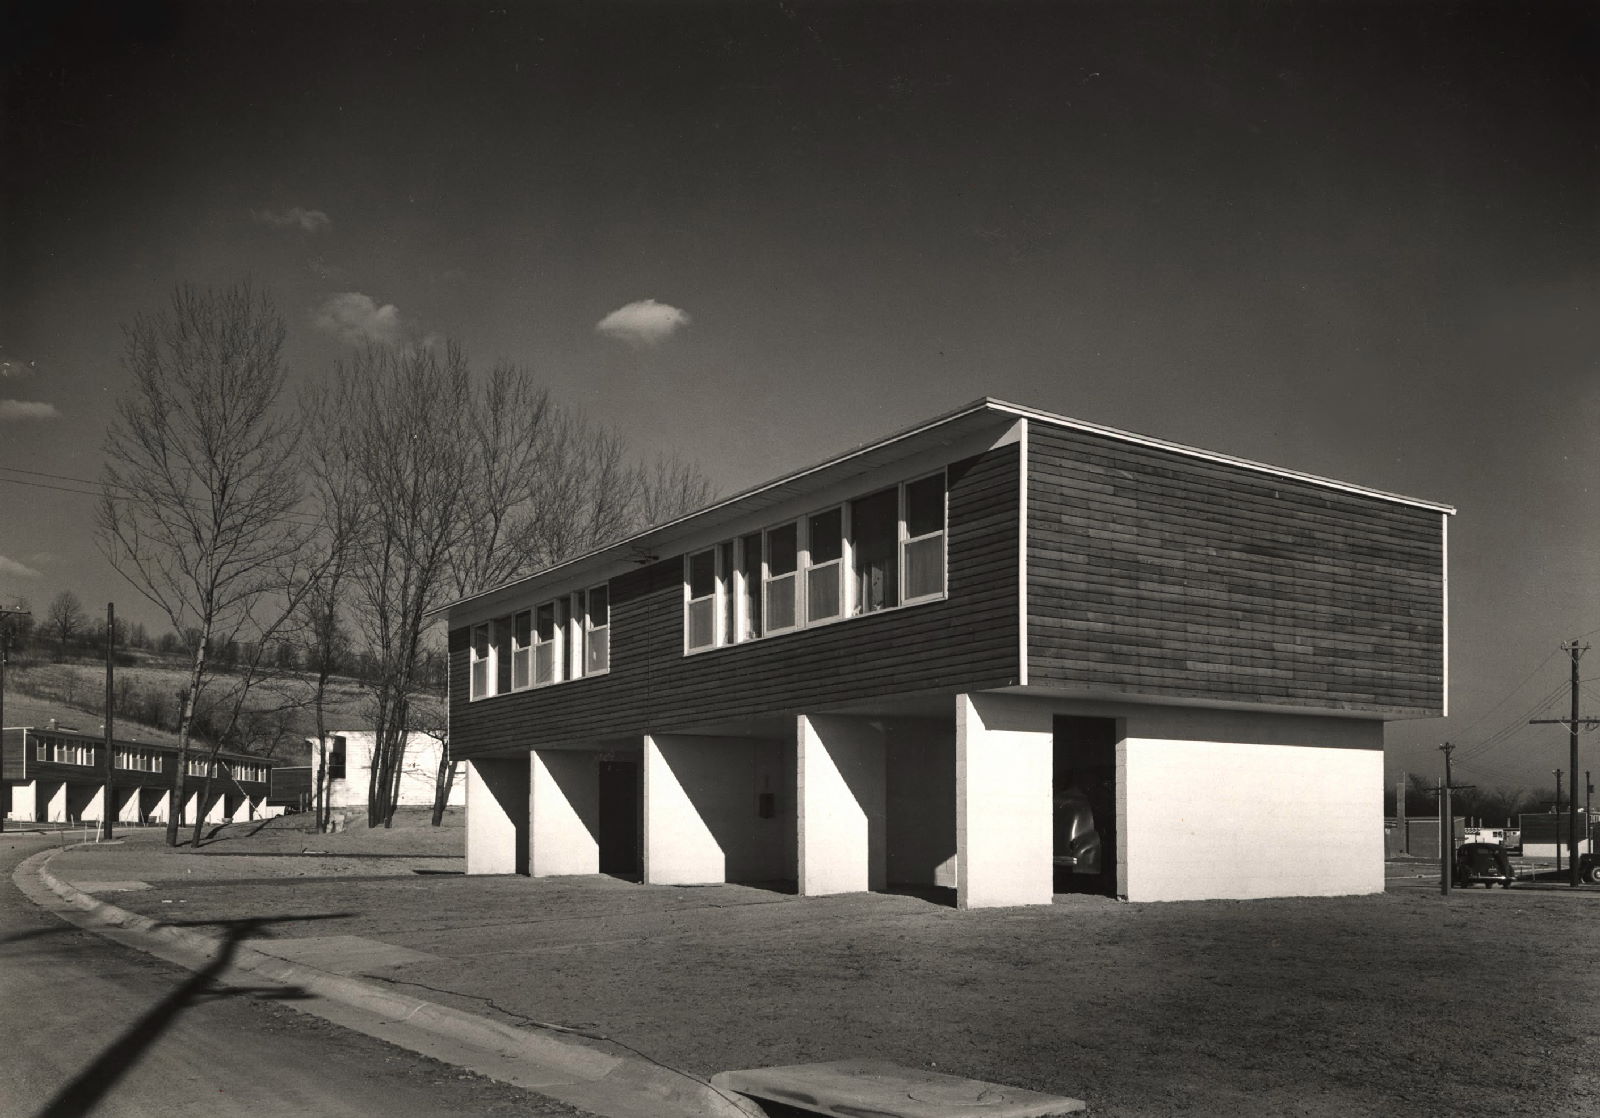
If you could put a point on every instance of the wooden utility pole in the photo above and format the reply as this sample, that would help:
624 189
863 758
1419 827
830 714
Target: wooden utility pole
1400 815
1446 866
6 614
1576 649
109 798
1557 814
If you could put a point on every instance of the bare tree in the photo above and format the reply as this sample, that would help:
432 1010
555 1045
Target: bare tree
408 426
64 619
201 477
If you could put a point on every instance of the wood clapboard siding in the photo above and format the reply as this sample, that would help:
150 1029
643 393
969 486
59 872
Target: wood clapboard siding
967 641
1162 574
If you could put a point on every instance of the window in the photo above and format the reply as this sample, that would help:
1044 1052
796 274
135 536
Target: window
502 655
878 552
597 631
922 547
874 534
479 656
781 579
336 757
522 650
702 591
546 645
825 565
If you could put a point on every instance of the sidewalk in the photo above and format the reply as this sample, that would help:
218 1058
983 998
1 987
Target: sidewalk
1201 1007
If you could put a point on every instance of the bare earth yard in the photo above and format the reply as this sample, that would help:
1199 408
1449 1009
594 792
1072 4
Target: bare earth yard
1483 1003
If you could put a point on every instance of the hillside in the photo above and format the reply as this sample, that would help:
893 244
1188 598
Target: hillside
73 693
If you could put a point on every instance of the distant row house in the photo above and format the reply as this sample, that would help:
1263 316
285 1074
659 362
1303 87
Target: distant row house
57 776
1004 652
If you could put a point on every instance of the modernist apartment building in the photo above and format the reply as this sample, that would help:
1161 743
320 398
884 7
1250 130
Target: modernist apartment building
1003 652
57 776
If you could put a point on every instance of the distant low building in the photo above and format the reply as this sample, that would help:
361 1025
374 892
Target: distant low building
1543 831
58 776
350 770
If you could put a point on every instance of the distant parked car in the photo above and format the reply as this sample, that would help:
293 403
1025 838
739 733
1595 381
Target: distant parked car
1589 868
1485 862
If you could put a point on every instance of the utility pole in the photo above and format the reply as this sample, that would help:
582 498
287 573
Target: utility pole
1588 814
110 797
1558 822
1400 815
6 614
1447 827
1576 649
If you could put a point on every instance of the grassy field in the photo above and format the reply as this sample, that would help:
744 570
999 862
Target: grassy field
1406 1003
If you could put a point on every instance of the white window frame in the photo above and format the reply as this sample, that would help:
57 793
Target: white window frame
767 580
906 539
718 588
556 653
475 662
521 654
806 621
589 631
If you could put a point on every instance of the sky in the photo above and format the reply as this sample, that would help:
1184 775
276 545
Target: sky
1357 240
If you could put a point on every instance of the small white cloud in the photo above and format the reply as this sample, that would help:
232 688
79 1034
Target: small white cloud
645 323
13 569
27 409
296 217
358 318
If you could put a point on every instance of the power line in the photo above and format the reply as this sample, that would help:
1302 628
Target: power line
301 520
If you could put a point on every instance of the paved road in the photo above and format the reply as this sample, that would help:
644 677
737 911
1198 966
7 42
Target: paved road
91 1027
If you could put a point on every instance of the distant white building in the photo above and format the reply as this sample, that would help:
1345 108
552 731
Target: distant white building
350 769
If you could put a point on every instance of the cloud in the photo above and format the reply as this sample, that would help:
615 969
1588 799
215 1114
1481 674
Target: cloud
296 217
13 569
358 318
27 409
642 324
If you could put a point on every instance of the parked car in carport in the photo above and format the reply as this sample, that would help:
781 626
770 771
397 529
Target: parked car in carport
1485 862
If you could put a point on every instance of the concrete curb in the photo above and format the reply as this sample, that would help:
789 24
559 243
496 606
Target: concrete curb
611 1086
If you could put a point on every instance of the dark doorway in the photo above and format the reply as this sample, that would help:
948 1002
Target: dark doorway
1084 783
620 822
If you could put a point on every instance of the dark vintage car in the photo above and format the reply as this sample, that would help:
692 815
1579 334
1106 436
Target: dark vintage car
1589 868
1485 862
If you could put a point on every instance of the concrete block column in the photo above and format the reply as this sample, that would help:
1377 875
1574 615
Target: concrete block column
24 802
1004 761
840 788
497 815
157 804
127 800
53 802
564 813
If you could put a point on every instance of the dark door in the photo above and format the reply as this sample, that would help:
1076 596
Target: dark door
620 822
1084 783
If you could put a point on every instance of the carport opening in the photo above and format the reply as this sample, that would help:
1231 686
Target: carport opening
621 820
1084 788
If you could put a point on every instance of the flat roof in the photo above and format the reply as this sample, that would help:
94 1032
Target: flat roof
984 408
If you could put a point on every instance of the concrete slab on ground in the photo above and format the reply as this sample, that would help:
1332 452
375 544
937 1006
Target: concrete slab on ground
342 954
849 1088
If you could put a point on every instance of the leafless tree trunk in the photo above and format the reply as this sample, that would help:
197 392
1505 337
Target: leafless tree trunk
200 476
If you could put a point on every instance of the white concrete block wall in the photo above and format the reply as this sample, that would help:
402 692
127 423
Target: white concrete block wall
24 802
563 813
156 804
127 805
497 814
1214 819
840 805
1004 759
688 787
53 802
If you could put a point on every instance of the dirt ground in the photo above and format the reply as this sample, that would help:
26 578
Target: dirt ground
1408 1003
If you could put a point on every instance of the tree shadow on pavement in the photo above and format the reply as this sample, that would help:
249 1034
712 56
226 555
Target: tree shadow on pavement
90 1085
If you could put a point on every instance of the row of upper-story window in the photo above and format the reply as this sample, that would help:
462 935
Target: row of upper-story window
137 760
874 553
563 639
